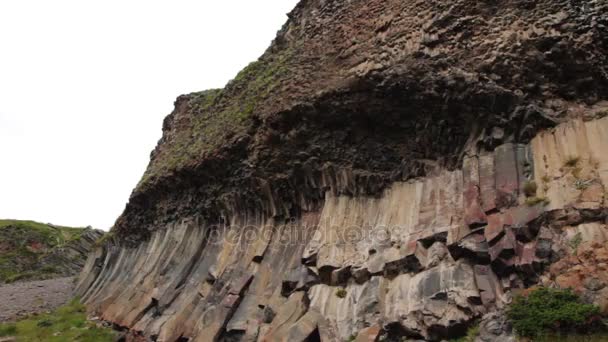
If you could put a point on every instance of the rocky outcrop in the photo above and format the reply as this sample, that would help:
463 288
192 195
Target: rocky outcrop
424 259
585 270
386 168
70 257
34 251
365 88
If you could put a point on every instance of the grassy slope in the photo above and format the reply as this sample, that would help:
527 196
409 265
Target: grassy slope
67 323
60 234
23 243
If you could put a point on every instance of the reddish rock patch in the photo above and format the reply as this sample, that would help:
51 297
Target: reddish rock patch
586 273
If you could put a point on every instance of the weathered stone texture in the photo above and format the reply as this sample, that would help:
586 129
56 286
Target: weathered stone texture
409 258
375 170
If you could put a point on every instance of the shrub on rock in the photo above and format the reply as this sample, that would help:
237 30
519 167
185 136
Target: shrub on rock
547 310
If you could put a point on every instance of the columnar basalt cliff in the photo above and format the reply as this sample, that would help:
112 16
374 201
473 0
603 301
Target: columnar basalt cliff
392 168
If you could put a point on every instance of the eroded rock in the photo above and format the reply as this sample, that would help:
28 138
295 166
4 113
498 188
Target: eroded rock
370 171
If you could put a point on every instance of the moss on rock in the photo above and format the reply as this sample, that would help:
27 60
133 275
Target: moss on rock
31 250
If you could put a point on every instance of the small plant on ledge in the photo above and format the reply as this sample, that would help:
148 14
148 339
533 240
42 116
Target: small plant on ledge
582 184
532 201
530 188
575 242
341 293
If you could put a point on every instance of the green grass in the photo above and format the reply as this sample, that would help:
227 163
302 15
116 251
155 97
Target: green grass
56 235
8 329
44 272
341 293
105 238
575 242
25 243
547 311
67 323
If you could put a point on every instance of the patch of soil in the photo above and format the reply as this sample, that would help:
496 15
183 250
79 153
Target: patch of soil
22 299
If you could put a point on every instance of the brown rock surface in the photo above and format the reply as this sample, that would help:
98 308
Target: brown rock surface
586 273
406 259
353 95
370 170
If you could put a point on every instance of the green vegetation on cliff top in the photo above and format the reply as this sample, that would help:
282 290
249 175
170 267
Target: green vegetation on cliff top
57 235
67 323
24 243
217 115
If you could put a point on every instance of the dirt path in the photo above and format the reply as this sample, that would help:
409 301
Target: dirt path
21 299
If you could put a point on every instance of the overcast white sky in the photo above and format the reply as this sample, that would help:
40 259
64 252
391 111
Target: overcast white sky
85 85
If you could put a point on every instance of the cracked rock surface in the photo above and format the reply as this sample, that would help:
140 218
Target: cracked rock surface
387 169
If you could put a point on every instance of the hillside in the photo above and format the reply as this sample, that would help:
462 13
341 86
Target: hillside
387 168
32 251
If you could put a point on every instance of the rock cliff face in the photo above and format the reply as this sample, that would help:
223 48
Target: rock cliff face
386 168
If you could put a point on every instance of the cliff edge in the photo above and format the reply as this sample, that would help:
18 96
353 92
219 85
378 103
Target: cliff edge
386 167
